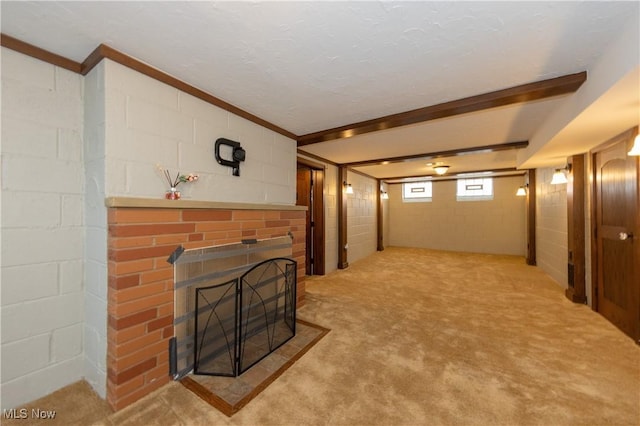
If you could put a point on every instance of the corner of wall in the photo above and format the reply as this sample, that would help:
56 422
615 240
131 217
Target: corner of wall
95 270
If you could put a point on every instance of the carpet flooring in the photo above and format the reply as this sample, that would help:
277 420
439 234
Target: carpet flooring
423 337
230 394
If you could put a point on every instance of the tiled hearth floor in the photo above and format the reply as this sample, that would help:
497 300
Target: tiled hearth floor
230 394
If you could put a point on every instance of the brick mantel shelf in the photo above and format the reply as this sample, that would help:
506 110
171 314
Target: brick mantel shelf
142 233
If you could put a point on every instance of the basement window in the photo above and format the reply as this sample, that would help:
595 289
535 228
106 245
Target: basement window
416 192
477 189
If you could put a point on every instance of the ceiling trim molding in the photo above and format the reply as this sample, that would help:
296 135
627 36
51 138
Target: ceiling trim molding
517 94
317 157
103 51
358 172
441 154
38 53
309 163
512 171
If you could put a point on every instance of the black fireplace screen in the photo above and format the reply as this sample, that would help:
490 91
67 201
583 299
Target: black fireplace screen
243 320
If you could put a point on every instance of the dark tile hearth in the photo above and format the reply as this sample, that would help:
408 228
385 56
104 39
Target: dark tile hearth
230 394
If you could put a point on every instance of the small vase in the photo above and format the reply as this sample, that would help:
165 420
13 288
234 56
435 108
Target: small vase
172 194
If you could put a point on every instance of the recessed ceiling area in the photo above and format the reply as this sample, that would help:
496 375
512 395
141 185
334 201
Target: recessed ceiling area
314 66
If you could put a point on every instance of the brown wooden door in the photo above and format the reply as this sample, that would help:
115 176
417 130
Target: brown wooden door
303 198
617 238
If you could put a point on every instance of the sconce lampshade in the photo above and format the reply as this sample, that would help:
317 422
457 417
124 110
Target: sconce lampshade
521 192
349 188
558 177
441 169
635 149
385 195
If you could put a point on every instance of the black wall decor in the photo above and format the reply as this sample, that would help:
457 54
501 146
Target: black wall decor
238 154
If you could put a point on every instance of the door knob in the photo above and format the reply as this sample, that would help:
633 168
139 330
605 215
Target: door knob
625 236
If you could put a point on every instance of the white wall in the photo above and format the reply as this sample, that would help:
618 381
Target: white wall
361 217
385 218
551 226
149 122
95 296
330 219
494 226
42 228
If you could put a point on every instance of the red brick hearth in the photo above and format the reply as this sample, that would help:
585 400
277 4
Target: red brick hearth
140 306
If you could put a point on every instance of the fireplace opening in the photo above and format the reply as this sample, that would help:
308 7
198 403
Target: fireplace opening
240 322
233 305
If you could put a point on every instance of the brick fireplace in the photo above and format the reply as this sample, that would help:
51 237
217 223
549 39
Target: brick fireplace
142 233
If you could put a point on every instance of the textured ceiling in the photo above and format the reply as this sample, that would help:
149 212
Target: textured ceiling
311 66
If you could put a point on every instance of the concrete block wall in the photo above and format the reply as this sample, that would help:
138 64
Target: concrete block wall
361 217
95 296
385 217
551 226
150 123
330 218
42 305
493 226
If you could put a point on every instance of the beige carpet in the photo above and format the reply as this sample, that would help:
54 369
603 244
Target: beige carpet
230 394
422 337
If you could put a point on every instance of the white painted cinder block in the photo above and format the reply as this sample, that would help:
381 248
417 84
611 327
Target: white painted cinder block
71 276
23 137
134 84
33 246
25 356
27 70
41 105
28 282
66 343
182 139
27 388
69 145
42 175
203 112
42 235
30 209
32 318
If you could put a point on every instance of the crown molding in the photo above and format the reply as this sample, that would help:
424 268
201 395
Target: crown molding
106 52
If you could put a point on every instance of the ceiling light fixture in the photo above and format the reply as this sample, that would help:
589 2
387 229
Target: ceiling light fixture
441 169
635 149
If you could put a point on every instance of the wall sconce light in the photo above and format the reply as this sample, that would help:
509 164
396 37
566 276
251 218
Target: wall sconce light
385 195
441 169
635 149
522 191
559 177
348 188
237 154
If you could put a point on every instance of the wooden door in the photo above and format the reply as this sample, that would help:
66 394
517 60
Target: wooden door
617 295
303 198
309 193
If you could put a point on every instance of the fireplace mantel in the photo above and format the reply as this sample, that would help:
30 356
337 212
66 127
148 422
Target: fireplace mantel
161 203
